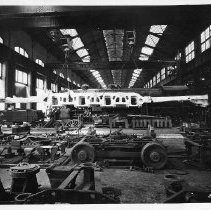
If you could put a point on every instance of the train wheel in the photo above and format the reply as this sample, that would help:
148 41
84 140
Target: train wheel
154 155
83 152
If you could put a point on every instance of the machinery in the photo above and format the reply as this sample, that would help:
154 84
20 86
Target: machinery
178 191
119 147
198 146
104 98
79 187
29 147
116 148
20 116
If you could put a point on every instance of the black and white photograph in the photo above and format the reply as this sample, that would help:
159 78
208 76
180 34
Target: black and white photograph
105 104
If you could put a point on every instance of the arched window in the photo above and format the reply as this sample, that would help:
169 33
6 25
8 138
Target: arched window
21 51
38 61
61 75
1 40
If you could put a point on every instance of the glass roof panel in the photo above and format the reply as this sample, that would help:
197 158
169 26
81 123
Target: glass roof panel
71 32
82 52
138 71
77 43
152 40
143 57
86 59
147 50
157 29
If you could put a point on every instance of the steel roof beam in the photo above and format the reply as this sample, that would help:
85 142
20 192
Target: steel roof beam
112 65
128 17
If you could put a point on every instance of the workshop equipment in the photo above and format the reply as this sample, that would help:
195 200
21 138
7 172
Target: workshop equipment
145 150
20 129
181 192
79 187
198 146
82 152
24 178
28 115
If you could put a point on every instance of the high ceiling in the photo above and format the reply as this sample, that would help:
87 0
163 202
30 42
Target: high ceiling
124 45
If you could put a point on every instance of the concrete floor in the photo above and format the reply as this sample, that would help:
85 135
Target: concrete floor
137 186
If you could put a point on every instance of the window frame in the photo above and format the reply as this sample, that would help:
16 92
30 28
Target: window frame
162 74
207 40
190 52
154 81
17 76
40 62
21 51
158 77
38 82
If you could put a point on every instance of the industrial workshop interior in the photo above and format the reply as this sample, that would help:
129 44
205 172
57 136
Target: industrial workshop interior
105 104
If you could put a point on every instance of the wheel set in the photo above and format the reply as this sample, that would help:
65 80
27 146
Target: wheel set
152 154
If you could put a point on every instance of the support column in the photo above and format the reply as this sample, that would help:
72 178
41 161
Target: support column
33 87
10 79
48 78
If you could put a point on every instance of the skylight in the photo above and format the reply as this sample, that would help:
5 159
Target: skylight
114 44
137 71
147 50
152 40
70 32
136 74
77 43
143 57
86 59
158 29
82 52
98 77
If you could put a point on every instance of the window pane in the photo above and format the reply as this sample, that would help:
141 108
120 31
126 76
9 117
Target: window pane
26 54
189 52
143 57
82 52
147 50
17 49
25 78
158 29
20 77
77 43
152 40
21 51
